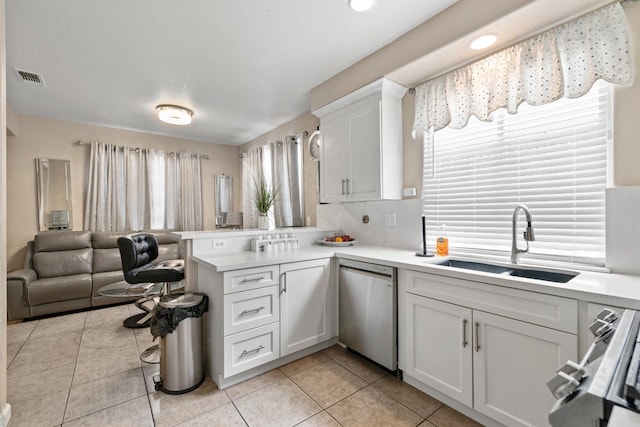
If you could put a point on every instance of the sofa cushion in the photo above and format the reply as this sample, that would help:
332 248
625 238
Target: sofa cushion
106 278
106 260
55 289
167 251
62 253
54 241
163 237
63 263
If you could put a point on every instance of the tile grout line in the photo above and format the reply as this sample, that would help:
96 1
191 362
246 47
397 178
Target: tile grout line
75 366
403 404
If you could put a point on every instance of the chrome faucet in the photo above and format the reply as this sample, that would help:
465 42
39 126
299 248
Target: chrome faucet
528 233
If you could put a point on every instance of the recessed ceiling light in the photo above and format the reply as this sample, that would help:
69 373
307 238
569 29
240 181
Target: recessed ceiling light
361 5
174 114
483 42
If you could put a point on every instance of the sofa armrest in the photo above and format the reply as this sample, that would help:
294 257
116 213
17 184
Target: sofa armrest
26 276
17 283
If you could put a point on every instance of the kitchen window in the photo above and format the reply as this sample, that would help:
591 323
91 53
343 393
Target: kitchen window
552 158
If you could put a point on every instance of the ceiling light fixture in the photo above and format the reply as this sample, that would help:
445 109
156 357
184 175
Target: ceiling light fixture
361 5
483 42
174 114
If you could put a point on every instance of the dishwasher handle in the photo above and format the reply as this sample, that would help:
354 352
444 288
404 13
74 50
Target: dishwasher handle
367 273
383 270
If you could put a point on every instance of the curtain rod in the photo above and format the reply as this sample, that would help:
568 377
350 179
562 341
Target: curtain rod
303 134
137 149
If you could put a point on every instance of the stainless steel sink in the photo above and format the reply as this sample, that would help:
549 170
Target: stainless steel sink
549 276
477 266
557 276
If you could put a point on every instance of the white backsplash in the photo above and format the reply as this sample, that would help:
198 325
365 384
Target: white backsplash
622 225
406 234
623 230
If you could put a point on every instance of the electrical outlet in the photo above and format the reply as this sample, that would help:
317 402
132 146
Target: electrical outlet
390 219
409 192
219 244
308 220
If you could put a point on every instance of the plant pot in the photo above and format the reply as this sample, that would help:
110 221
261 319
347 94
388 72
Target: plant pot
263 221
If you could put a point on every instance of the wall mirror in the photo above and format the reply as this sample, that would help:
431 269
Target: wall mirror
53 180
224 200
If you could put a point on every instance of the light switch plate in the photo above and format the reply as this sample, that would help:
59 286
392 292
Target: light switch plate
409 192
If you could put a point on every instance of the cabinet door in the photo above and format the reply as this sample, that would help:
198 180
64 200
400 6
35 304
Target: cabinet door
512 362
333 159
363 123
305 305
437 346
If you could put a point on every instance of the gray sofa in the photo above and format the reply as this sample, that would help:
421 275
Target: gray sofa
64 270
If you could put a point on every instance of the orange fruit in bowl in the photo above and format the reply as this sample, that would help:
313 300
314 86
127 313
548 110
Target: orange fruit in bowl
338 239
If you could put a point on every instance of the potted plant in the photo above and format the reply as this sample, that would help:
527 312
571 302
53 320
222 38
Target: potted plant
264 196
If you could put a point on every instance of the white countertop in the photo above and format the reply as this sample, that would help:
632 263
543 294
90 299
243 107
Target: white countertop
604 288
240 232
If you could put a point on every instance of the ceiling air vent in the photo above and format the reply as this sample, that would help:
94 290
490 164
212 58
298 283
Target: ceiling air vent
29 77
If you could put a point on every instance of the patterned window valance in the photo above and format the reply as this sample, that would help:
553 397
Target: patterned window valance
562 62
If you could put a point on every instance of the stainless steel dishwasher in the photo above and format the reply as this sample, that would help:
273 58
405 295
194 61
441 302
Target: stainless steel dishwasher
368 311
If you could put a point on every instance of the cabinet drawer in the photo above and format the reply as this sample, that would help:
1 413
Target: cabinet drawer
250 309
251 278
248 349
545 310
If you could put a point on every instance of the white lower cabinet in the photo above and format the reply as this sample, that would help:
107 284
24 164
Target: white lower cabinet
437 347
248 349
491 363
306 307
512 362
258 315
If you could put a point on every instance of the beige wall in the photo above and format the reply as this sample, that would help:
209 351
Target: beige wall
47 138
626 147
445 28
306 122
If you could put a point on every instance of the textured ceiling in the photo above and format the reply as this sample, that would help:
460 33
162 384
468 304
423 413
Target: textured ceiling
244 66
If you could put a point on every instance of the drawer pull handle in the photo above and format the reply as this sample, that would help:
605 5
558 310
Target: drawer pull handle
253 310
255 279
255 350
464 333
477 324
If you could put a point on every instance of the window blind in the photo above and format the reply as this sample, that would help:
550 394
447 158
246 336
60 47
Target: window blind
552 158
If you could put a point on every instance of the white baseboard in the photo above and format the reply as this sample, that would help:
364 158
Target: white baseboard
5 415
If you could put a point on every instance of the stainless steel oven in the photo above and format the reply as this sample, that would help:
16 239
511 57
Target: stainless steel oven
607 379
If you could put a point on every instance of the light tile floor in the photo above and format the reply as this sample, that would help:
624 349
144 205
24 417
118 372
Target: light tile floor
83 369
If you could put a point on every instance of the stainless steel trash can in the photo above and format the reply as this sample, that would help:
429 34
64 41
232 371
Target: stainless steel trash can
181 365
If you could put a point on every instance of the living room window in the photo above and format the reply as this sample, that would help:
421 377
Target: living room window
552 158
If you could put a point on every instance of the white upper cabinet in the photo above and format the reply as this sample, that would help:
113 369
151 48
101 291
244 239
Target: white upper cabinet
361 144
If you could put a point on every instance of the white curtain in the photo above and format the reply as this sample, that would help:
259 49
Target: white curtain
133 189
282 180
183 192
189 192
562 62
116 190
157 179
251 173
